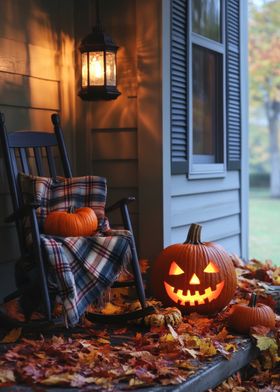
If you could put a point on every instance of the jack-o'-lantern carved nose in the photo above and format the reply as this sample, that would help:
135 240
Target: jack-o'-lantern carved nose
194 279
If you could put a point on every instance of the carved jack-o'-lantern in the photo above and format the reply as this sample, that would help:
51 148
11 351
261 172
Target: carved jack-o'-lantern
197 277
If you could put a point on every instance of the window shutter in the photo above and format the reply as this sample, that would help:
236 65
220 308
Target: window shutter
179 67
233 86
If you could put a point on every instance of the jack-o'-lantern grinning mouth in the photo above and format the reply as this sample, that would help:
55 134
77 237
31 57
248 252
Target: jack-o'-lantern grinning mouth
196 299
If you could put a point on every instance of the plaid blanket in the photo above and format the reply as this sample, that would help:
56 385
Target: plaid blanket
84 267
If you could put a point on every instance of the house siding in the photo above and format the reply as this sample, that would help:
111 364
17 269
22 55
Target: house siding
213 203
127 140
123 137
36 75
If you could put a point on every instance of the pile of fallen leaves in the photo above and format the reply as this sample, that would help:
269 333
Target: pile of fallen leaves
134 357
158 356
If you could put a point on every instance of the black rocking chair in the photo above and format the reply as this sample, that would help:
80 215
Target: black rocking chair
16 148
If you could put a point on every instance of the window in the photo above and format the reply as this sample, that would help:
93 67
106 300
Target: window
207 113
206 89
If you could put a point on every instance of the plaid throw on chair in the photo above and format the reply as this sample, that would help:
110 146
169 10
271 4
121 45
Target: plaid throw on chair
83 267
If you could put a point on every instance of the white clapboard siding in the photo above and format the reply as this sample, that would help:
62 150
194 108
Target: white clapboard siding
225 231
204 207
180 185
215 204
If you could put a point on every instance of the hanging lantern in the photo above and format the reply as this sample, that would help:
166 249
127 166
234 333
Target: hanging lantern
99 64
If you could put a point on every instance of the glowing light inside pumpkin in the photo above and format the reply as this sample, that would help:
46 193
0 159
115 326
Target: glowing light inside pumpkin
175 269
211 268
196 298
194 279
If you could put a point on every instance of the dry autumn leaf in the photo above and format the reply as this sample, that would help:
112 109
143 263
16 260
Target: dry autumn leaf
7 376
111 309
12 336
266 343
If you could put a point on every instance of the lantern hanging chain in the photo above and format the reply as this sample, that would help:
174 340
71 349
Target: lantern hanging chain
97 14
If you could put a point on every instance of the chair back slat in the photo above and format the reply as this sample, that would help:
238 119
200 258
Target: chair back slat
24 160
12 176
61 145
51 162
27 139
38 161
32 152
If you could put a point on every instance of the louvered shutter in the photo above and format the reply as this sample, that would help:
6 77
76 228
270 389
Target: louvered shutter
233 86
179 67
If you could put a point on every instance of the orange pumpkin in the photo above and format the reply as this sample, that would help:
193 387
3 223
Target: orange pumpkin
197 277
81 222
242 317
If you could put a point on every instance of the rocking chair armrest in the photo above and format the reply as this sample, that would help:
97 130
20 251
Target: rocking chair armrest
21 212
120 203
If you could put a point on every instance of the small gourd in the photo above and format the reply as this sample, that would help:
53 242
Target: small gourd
161 317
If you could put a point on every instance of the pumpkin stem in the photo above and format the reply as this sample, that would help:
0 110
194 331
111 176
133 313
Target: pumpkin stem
194 234
253 300
71 209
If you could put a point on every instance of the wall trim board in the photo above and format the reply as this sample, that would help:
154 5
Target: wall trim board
244 130
149 119
166 121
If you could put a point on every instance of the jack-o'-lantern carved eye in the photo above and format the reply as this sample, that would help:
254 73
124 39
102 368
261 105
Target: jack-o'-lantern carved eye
211 268
175 269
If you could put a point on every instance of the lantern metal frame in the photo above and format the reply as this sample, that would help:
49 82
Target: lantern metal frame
98 41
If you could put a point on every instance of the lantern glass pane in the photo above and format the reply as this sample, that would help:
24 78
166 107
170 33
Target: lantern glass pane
84 70
96 68
111 68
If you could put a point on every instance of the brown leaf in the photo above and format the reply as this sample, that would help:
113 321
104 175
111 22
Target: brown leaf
12 336
259 330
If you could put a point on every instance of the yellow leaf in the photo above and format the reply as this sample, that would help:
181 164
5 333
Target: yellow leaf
231 347
63 378
168 337
207 348
111 309
266 343
103 341
12 336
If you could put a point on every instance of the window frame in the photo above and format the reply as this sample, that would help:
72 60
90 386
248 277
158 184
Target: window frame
206 169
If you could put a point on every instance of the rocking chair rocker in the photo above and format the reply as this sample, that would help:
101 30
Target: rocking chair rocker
16 148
